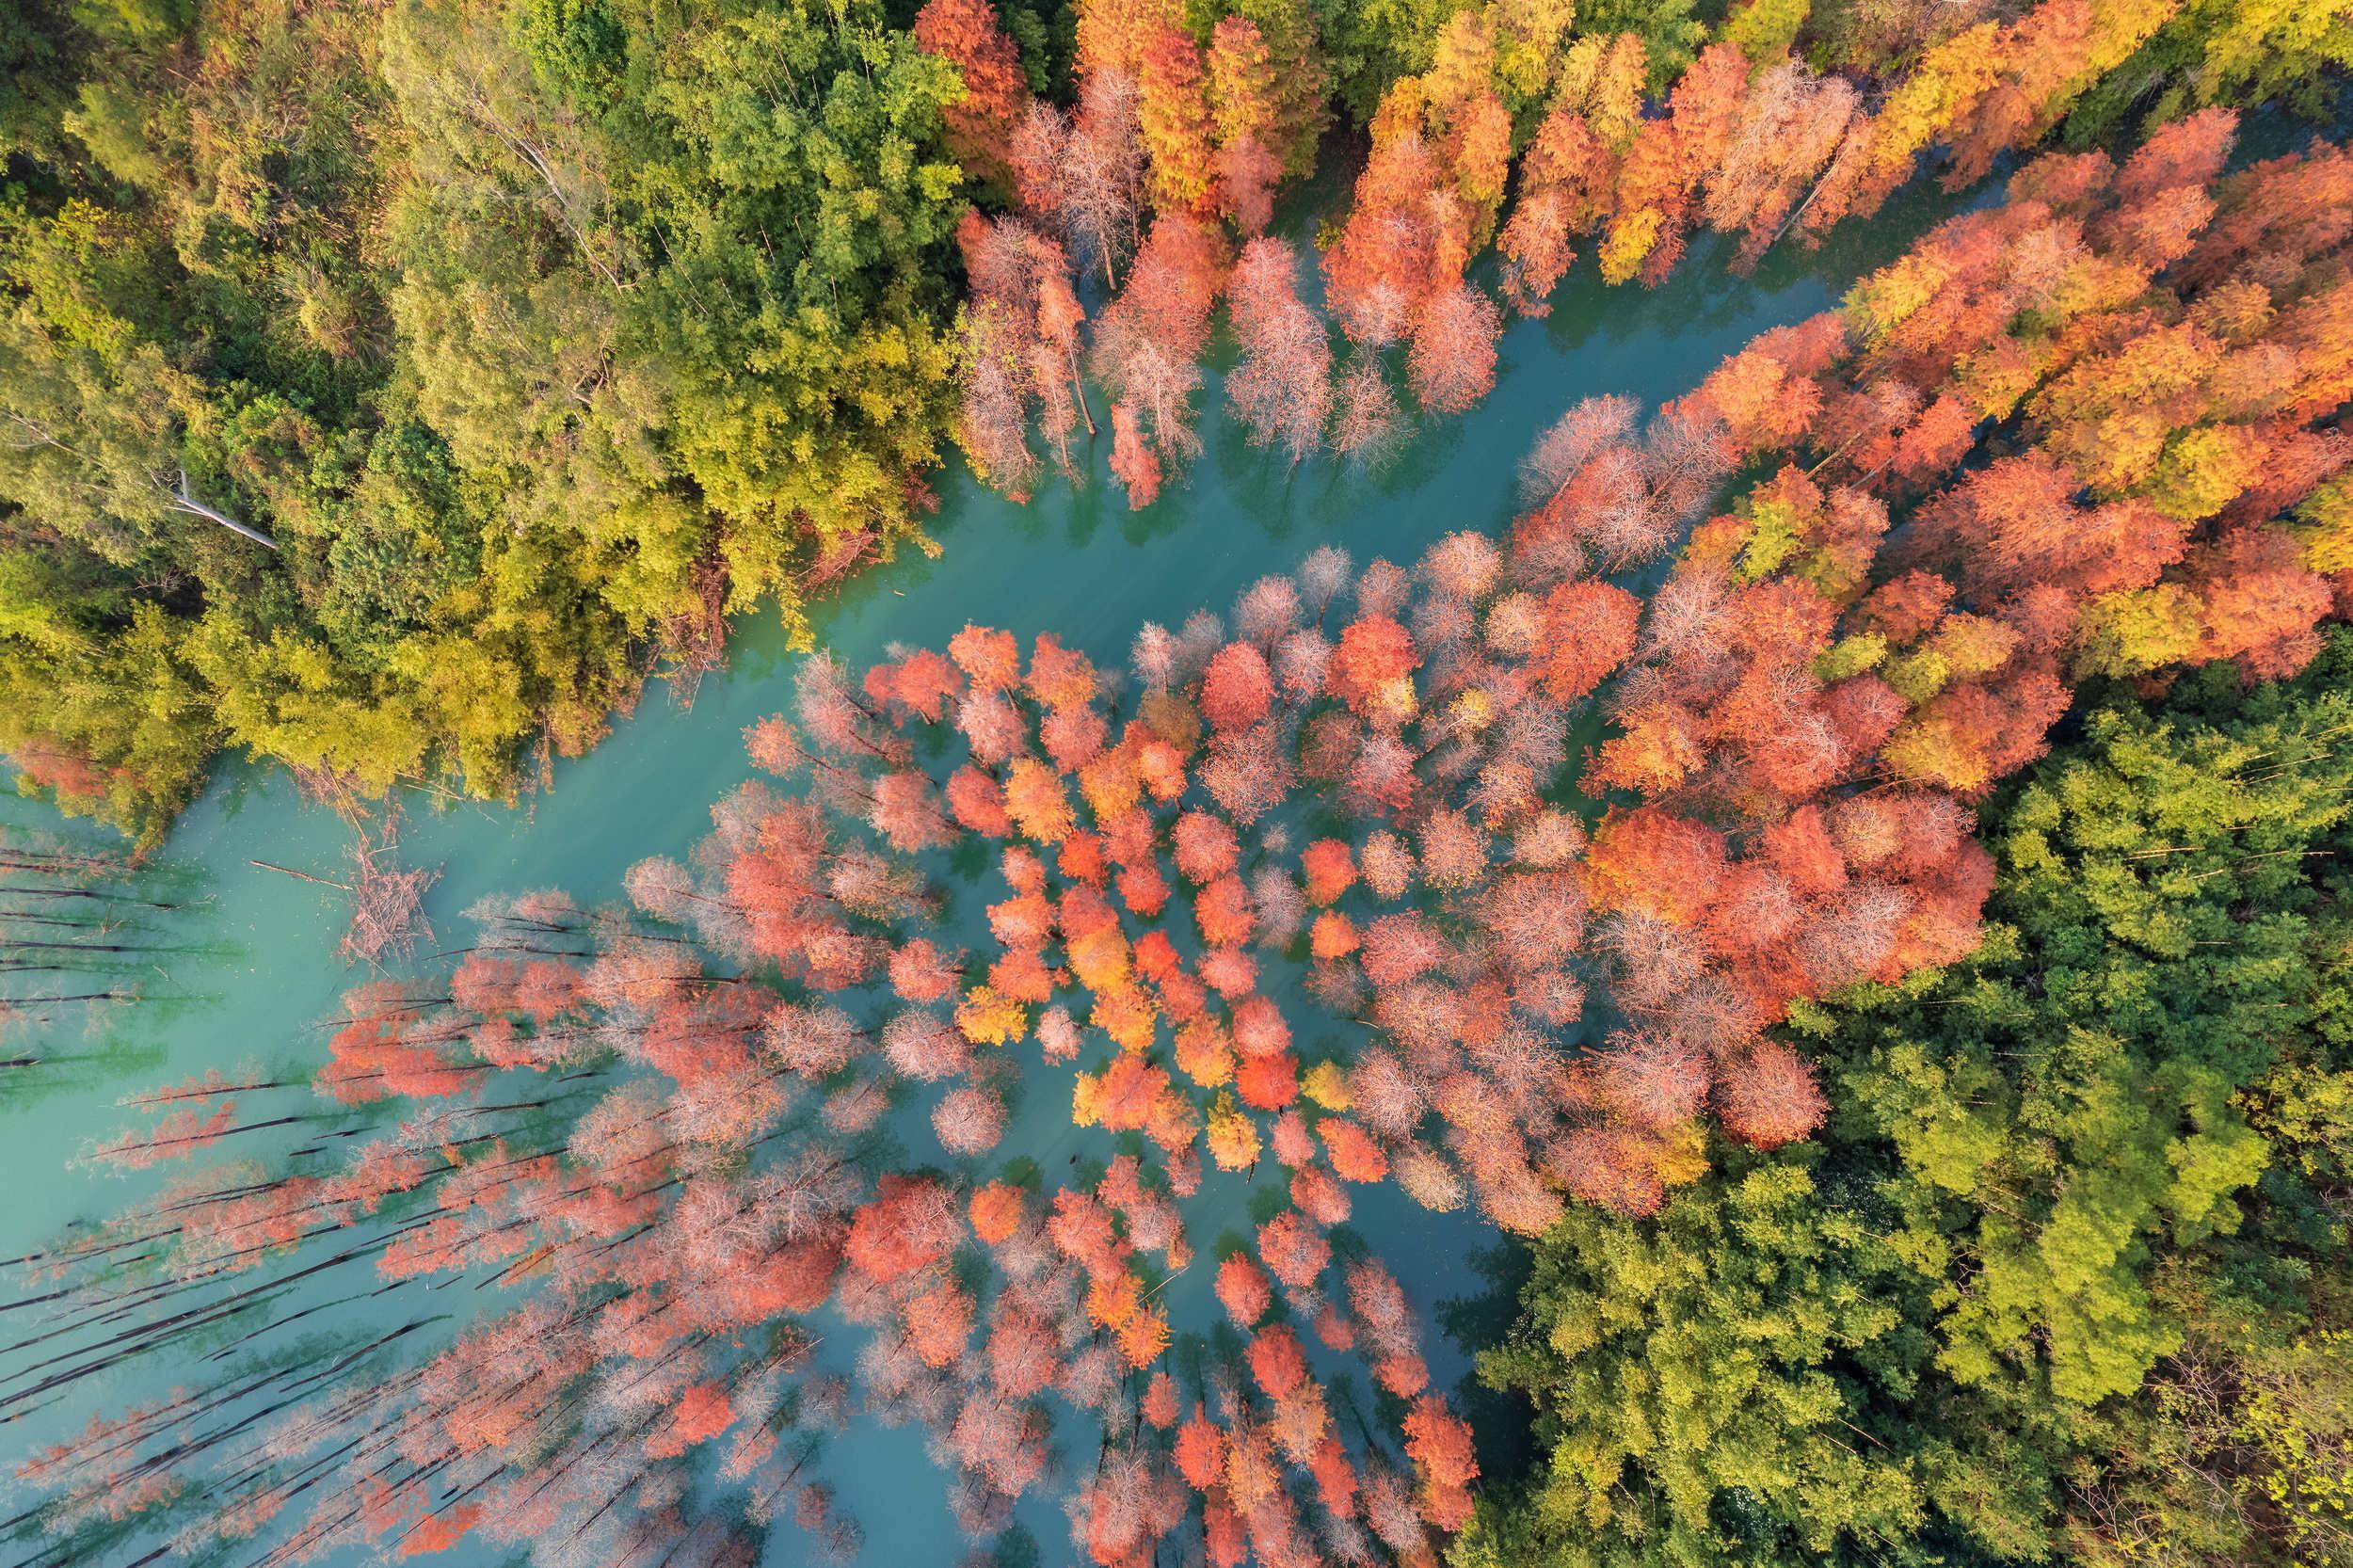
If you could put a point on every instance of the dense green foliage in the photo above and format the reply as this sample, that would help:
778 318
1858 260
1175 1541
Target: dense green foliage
534 334
2065 1277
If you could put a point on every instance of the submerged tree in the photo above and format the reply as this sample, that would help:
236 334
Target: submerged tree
81 929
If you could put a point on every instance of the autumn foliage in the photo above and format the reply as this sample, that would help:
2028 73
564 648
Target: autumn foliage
1545 141
997 880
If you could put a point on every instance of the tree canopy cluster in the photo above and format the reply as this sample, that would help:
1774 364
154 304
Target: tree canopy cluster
1528 128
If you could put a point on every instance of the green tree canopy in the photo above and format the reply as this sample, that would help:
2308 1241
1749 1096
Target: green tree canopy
384 389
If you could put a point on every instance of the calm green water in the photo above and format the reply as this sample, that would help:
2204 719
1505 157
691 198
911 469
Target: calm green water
257 965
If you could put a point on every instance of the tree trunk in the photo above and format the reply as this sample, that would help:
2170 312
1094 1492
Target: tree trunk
1077 391
182 501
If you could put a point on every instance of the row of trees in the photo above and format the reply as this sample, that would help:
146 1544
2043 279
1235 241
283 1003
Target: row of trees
1196 127
2064 1277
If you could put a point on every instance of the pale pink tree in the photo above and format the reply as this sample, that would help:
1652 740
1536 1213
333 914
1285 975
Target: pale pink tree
1282 389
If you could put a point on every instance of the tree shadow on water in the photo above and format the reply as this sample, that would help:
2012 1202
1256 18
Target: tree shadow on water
1500 1422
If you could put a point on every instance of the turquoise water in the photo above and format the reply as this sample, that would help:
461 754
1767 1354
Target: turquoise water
256 968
